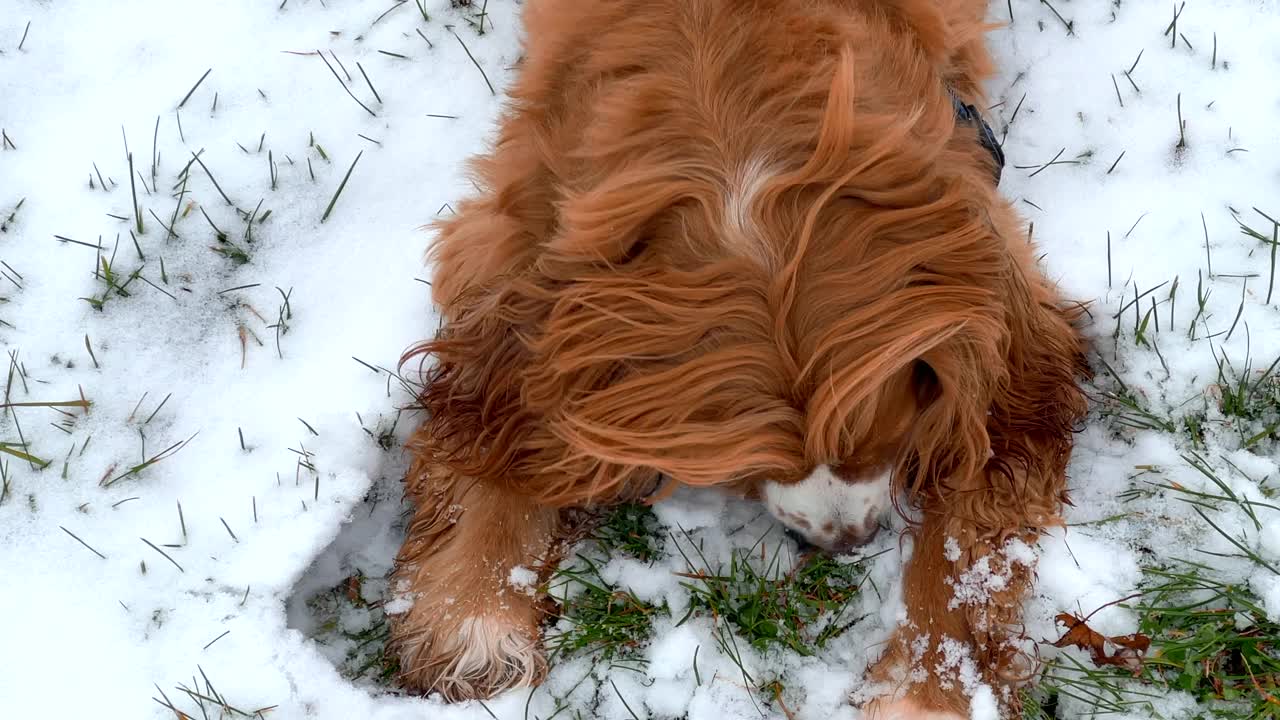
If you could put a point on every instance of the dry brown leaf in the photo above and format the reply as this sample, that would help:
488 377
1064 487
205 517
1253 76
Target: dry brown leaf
1130 650
352 588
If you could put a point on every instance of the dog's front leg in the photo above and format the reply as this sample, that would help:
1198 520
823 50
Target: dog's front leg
468 572
961 647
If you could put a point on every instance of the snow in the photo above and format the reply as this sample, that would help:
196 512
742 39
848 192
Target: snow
284 488
523 580
1269 589
983 705
976 584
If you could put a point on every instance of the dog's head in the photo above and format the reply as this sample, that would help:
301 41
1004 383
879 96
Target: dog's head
819 326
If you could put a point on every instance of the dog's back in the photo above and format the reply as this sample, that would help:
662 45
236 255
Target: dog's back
715 93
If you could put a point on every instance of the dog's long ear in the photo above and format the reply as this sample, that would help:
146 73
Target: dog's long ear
987 466
1035 414
598 360
993 446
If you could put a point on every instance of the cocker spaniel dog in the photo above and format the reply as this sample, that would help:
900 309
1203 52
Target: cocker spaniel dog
755 245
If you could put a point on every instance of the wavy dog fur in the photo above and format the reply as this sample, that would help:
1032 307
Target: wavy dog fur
720 242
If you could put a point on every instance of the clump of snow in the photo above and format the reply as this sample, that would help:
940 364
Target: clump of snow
692 510
1020 553
1268 587
398 605
951 549
989 574
671 654
976 583
957 665
983 705
1270 540
523 579
648 582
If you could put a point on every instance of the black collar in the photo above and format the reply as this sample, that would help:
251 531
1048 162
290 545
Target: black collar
968 114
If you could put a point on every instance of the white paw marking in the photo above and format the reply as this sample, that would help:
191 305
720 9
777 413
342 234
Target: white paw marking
484 654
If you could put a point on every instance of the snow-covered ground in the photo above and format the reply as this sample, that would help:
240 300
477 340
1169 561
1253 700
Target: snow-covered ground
229 466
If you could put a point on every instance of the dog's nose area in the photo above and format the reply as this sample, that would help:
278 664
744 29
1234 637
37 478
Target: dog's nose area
844 542
830 512
802 542
853 538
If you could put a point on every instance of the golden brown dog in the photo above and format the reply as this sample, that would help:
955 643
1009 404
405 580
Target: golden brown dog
745 244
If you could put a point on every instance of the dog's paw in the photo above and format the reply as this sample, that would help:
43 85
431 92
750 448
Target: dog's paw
467 658
905 709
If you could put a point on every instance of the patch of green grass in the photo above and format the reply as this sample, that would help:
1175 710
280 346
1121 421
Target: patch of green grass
759 599
202 699
1250 400
1038 704
232 252
18 450
383 433
1210 636
800 608
602 618
1209 639
114 283
1212 640
350 617
1127 408
1212 501
631 529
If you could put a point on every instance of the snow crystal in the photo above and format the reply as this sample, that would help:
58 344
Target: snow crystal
1017 551
523 579
1268 586
957 665
977 582
689 509
983 705
398 605
1270 539
672 652
951 549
